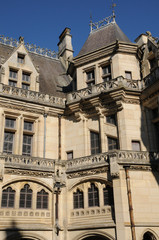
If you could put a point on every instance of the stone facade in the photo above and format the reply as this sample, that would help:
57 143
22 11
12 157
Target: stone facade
79 139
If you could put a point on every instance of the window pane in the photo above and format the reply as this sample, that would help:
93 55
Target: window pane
26 77
111 119
9 123
136 146
8 196
112 143
95 144
27 142
28 126
8 142
25 86
93 196
25 197
13 73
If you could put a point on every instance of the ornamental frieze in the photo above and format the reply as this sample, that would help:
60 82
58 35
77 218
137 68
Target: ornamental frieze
88 172
28 173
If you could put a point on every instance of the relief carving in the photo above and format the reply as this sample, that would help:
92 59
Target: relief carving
29 173
88 172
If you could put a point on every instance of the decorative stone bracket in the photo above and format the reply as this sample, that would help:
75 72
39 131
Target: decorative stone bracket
114 166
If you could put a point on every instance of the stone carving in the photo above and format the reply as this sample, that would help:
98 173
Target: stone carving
26 160
21 39
26 213
29 173
85 161
88 172
90 212
30 47
97 25
34 96
104 87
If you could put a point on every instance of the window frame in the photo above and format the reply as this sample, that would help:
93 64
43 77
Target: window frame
10 131
28 195
110 138
106 75
134 147
40 199
93 196
8 199
78 199
90 80
112 119
27 134
21 58
94 142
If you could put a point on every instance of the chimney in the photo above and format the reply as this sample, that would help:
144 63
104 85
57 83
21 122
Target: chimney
65 47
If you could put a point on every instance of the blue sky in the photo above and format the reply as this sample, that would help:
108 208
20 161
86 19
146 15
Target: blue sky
42 21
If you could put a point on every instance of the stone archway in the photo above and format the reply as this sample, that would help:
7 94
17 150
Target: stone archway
96 237
149 236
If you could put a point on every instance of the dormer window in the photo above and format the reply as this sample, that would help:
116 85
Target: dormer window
21 58
106 73
90 78
26 77
13 74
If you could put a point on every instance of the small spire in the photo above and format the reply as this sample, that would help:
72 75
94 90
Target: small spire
113 10
90 21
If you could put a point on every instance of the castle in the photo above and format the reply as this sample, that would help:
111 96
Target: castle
79 138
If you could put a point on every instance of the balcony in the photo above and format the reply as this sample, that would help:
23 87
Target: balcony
31 96
135 85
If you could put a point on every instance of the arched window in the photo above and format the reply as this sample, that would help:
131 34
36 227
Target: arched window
93 196
108 195
149 236
25 197
8 196
42 200
78 199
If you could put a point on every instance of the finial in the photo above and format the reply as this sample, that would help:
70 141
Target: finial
21 39
90 21
113 11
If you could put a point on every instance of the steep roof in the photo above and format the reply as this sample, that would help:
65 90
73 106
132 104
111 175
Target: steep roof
103 37
52 75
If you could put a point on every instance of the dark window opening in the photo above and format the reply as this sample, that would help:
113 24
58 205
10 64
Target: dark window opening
108 195
111 119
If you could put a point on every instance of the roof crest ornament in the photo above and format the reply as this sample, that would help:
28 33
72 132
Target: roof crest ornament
30 47
102 23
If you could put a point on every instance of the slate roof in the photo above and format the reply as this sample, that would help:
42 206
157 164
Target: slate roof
52 75
103 37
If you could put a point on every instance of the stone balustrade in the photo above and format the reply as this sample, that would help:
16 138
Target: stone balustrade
16 92
87 161
104 87
28 161
121 156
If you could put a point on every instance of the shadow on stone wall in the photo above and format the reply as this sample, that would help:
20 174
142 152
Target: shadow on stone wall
13 233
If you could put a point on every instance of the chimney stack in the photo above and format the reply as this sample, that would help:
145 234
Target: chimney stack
65 47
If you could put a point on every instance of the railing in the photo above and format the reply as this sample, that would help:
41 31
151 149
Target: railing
104 87
87 161
30 47
29 161
31 95
121 156
151 78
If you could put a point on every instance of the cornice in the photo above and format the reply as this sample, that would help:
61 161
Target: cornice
117 46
